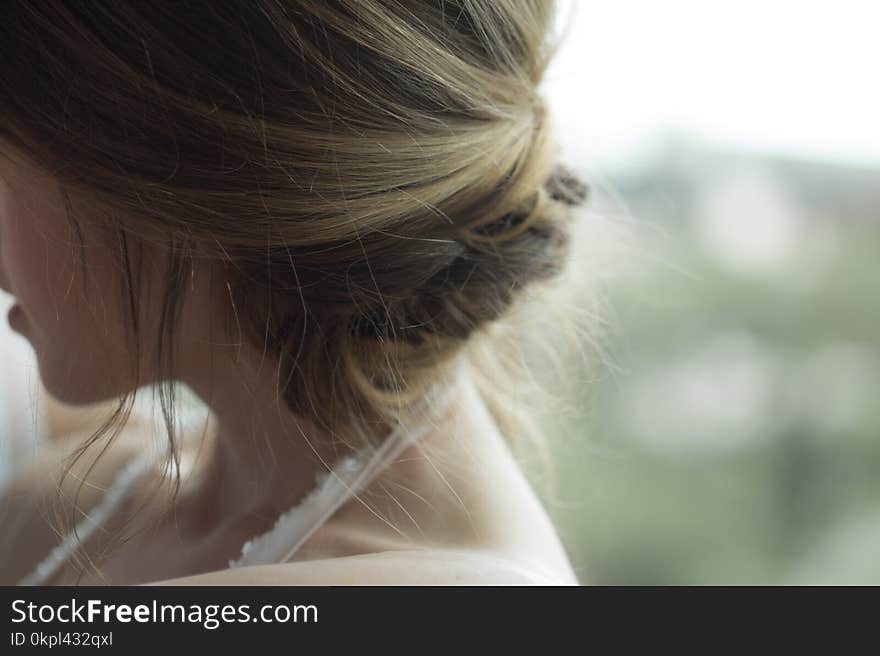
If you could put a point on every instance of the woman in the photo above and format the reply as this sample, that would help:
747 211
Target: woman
318 216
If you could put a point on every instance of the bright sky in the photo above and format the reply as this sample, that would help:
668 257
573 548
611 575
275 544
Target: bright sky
779 76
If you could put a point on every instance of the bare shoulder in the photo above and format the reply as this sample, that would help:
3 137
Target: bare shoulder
430 567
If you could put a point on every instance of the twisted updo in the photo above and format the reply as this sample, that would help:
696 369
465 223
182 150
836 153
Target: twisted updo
380 177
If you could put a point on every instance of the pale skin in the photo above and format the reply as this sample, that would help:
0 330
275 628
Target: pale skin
454 508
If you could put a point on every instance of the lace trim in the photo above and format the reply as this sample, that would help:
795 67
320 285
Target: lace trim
291 519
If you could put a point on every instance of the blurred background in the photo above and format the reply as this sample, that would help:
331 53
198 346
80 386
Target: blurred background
729 434
732 434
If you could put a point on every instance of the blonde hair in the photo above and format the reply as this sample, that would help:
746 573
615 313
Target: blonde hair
381 178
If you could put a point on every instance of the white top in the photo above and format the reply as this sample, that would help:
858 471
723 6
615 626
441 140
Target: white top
293 527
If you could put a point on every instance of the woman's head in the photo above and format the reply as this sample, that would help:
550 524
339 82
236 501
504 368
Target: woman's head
373 181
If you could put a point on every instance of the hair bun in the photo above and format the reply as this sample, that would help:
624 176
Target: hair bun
495 260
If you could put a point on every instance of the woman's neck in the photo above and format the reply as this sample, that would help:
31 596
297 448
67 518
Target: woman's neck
259 458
